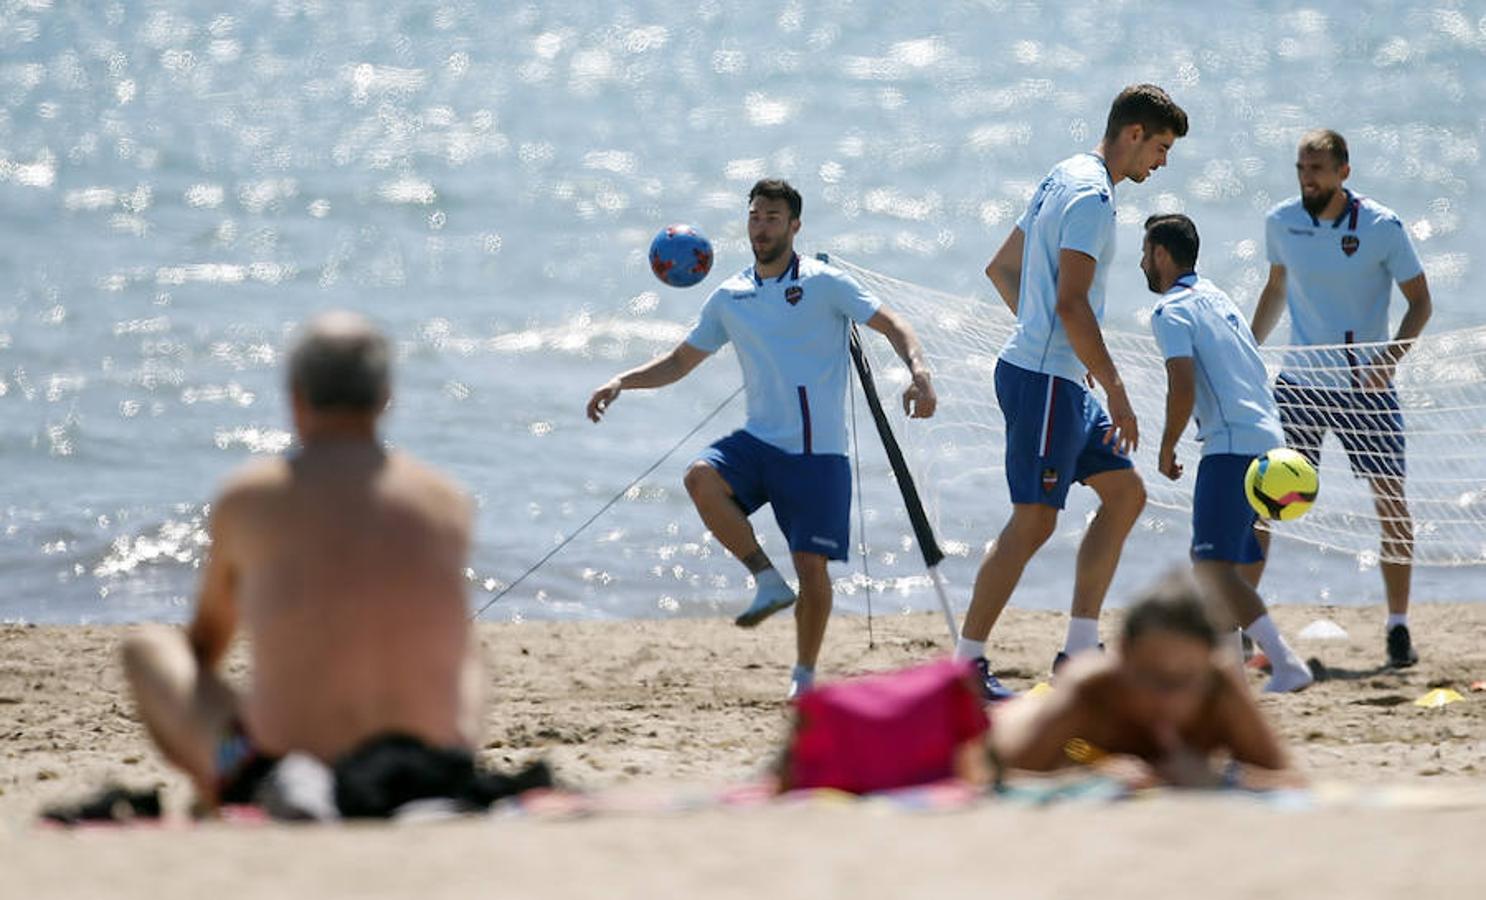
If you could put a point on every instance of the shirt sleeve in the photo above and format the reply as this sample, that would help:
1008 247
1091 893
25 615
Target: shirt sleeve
709 334
852 300
1401 262
1024 221
1172 327
1088 224
1272 240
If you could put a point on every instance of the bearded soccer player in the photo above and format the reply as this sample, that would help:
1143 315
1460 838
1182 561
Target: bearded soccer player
789 320
1051 272
1334 258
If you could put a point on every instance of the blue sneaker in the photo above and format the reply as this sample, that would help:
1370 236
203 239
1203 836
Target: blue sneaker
991 688
800 681
771 597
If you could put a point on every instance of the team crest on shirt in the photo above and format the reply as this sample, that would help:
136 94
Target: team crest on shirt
1049 480
794 294
1350 244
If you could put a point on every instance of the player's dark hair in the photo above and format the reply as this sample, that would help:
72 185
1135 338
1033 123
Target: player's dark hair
1173 604
1148 106
1324 140
1178 234
341 362
779 189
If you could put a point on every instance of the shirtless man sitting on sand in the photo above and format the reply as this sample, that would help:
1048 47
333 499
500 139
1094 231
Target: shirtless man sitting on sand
345 562
1166 709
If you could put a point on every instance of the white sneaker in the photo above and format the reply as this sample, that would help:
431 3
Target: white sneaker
1289 677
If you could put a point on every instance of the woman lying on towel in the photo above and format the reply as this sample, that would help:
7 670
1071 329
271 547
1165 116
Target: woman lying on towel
1166 709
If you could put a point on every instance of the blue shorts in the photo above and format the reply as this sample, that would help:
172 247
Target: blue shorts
1055 432
810 492
1368 423
1222 519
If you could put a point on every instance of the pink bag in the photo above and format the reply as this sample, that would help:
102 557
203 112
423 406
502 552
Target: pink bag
884 731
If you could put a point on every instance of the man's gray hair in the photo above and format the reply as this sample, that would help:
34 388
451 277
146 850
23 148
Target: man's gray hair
341 362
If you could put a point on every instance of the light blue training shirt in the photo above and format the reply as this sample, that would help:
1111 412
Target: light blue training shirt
1073 209
791 334
1339 277
1235 410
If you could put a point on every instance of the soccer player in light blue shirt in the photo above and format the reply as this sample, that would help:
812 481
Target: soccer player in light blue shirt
789 320
1334 257
1213 364
1050 271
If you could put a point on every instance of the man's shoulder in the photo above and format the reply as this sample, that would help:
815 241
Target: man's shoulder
257 477
424 476
813 269
738 282
1289 209
252 486
1208 288
1374 213
1173 310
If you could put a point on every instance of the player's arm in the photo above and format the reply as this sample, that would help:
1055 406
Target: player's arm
919 399
1271 304
1416 292
659 372
1075 277
215 620
1181 396
1005 268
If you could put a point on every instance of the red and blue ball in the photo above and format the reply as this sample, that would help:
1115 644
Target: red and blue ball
680 255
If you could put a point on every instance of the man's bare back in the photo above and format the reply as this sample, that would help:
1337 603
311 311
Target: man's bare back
349 568
346 565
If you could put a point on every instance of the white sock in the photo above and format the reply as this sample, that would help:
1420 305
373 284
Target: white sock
967 649
1395 619
804 676
1267 635
1083 634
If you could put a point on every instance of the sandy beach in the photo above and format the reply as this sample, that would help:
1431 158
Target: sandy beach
659 709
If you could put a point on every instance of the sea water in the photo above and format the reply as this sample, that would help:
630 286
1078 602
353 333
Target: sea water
181 183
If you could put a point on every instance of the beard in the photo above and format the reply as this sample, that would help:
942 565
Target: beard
769 252
1316 202
1152 283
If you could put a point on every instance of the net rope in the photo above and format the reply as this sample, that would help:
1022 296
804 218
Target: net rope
1441 388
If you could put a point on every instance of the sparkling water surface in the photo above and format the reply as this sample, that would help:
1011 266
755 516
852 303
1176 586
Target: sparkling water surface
181 183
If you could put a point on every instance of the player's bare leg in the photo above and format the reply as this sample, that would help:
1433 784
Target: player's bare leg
723 517
812 614
1254 571
726 520
1030 526
1121 499
1397 554
1223 585
1398 540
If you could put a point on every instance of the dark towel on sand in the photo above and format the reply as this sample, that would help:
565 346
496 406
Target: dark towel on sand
384 773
